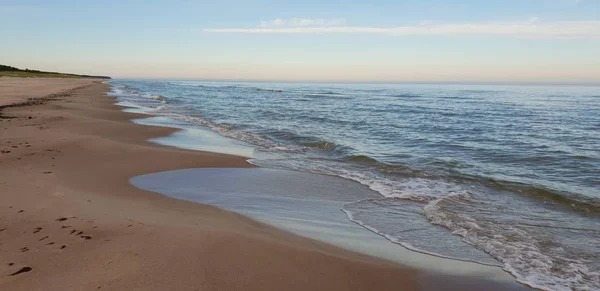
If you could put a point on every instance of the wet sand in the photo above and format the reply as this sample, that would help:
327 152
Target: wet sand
70 219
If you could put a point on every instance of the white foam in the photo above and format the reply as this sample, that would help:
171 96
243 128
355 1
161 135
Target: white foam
224 130
516 249
160 98
519 257
405 244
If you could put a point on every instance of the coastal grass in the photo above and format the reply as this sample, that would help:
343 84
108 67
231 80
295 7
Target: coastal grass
8 71
26 74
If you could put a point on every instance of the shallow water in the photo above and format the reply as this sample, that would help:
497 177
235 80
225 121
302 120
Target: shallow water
513 171
309 205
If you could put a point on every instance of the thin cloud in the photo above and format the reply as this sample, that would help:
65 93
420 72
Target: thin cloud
531 28
302 22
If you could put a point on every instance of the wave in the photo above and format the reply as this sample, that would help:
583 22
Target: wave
583 157
573 201
124 90
453 174
305 143
281 135
532 258
371 214
326 146
229 87
160 98
328 95
397 240
454 97
291 142
480 91
512 246
342 153
371 90
120 90
361 159
407 95
449 205
224 130
448 194
268 90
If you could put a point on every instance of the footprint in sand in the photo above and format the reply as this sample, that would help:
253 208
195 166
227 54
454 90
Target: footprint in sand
22 270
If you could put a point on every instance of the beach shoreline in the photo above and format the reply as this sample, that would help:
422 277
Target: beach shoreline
72 217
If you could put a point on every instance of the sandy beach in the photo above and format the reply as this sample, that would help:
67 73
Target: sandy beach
302 145
70 219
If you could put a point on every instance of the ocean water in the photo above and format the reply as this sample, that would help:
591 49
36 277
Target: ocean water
513 171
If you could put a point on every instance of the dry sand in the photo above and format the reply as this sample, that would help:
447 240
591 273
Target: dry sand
70 220
15 90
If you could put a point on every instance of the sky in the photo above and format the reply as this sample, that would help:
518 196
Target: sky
509 41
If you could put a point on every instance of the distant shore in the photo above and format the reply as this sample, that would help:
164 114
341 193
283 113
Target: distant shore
70 219
9 71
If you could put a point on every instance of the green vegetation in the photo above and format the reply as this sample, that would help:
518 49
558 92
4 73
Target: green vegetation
8 71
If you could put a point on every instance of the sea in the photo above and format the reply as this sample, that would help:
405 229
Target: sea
511 170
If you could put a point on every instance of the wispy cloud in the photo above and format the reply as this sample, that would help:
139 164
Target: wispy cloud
530 28
302 22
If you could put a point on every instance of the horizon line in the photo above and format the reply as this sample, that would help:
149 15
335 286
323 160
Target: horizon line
507 83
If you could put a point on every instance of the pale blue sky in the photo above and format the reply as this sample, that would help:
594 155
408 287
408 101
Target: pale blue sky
555 41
